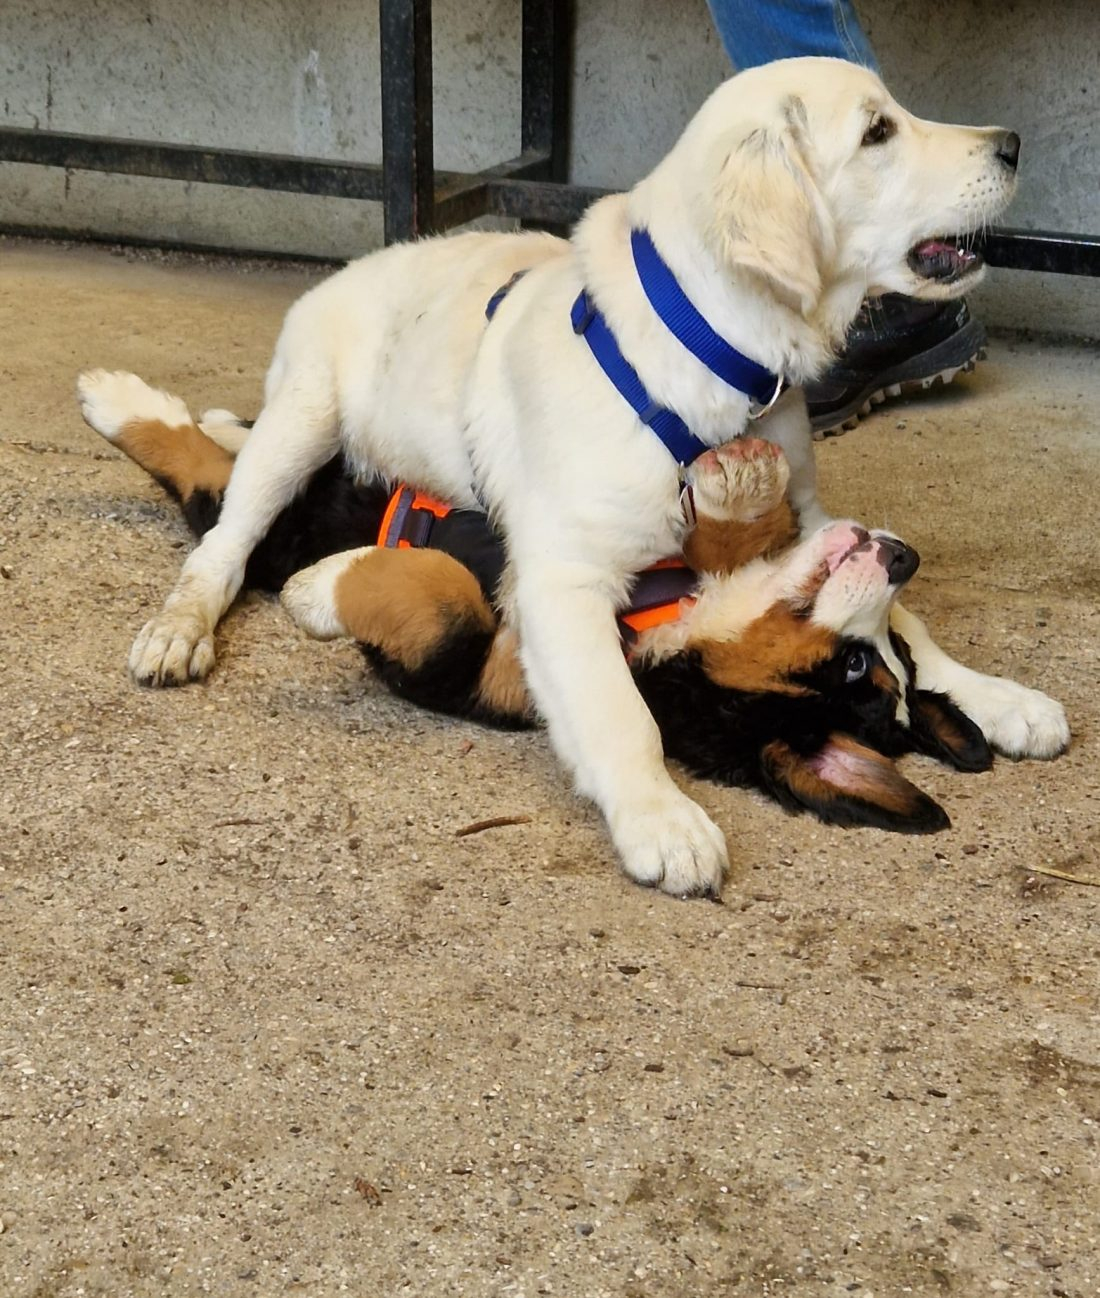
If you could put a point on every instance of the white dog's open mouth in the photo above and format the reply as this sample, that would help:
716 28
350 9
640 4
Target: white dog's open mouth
946 259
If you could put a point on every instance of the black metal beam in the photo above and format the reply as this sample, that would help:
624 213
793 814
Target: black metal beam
190 162
541 200
509 190
1060 254
405 30
545 78
460 198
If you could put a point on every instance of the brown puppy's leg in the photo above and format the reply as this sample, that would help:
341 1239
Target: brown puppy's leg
157 432
740 505
422 620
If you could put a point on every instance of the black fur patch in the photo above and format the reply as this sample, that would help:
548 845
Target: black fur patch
719 733
725 735
447 680
201 509
939 727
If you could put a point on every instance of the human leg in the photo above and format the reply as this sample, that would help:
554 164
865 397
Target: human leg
760 31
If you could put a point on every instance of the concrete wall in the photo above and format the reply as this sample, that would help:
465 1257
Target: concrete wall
282 76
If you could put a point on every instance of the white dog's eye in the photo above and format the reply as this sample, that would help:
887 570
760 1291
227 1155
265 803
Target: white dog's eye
879 131
857 666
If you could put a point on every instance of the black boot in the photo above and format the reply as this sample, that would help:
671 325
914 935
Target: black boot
896 344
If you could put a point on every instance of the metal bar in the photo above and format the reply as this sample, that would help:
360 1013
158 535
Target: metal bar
541 200
190 162
461 198
119 242
510 190
1061 254
545 83
405 31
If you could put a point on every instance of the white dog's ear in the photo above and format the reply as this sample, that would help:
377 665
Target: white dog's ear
771 217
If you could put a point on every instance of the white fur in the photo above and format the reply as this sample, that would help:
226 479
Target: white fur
309 596
776 222
223 427
1016 720
111 400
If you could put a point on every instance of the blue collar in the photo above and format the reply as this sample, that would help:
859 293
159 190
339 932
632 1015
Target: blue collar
684 321
671 303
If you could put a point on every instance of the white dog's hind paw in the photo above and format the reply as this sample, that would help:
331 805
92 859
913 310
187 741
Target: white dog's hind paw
171 649
1016 721
673 845
109 400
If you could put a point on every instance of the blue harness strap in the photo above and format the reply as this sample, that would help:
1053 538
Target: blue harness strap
677 438
501 293
687 325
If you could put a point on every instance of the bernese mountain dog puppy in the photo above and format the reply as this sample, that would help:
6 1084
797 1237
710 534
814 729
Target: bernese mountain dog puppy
767 661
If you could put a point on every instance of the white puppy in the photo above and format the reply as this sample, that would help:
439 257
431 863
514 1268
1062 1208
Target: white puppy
798 188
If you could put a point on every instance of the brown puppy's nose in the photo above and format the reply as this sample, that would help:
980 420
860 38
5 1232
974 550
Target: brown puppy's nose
1008 149
899 560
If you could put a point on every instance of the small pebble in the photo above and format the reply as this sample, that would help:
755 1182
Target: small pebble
739 1050
584 1229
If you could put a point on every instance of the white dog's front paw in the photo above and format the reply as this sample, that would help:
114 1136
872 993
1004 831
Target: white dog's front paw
1016 721
109 400
172 649
672 844
741 480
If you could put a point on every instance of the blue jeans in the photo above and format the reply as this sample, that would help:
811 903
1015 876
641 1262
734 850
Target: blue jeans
759 31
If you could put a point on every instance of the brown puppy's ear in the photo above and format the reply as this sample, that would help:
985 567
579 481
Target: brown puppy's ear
771 217
846 783
941 729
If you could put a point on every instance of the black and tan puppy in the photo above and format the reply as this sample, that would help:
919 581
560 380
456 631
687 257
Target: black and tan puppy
767 662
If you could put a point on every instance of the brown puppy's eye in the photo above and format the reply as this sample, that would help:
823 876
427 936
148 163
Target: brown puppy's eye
879 131
856 667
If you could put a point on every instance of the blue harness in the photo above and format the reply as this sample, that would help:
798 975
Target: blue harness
688 326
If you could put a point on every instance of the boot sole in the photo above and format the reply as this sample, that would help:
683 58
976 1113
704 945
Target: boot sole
958 354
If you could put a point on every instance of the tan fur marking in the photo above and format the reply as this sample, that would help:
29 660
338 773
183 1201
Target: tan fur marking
876 779
502 687
768 651
720 545
941 723
407 601
182 458
884 679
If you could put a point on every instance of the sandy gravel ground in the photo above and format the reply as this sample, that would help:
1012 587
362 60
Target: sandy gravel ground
270 1028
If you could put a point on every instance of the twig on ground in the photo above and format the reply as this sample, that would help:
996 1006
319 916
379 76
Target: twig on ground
495 822
1090 880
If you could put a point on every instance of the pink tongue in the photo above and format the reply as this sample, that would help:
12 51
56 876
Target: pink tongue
936 248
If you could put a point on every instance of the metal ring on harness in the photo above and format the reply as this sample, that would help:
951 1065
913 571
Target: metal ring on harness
761 411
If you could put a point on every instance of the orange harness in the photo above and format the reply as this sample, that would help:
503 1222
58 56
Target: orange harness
659 595
407 522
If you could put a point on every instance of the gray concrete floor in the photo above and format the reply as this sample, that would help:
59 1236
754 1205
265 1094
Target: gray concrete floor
269 1027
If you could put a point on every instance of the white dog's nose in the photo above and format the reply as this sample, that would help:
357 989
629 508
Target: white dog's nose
1008 149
